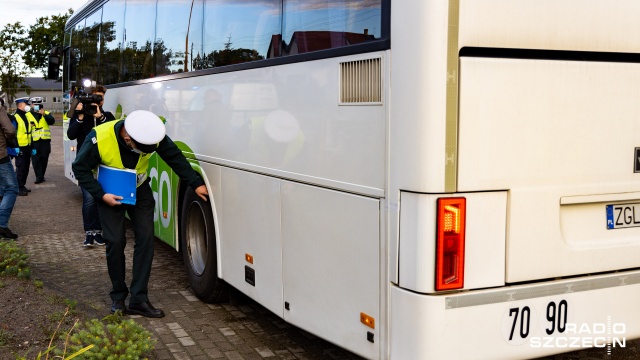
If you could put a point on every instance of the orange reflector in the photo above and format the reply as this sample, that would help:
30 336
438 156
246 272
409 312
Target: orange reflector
73 148
367 320
249 258
164 214
450 243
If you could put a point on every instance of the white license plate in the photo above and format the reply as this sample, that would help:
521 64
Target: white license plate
623 216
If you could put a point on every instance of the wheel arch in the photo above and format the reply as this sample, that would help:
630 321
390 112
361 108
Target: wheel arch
182 189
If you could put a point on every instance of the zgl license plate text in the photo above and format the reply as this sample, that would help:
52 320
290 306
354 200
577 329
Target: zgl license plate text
623 216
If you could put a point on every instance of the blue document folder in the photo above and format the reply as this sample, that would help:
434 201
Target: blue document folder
121 182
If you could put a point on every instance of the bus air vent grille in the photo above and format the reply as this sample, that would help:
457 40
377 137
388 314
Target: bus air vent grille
361 82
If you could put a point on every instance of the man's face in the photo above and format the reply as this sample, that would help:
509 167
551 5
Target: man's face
101 94
21 105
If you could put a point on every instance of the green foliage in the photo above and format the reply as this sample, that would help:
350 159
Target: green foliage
114 338
13 260
5 337
46 33
12 70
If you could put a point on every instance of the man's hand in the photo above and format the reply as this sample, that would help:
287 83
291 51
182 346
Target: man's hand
112 200
98 114
79 111
202 192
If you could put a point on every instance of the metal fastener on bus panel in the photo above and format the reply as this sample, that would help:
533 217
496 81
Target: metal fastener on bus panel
370 336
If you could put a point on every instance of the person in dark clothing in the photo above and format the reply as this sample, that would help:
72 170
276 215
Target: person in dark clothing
40 138
128 144
25 121
79 126
8 181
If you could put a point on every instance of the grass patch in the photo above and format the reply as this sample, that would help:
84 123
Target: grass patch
5 337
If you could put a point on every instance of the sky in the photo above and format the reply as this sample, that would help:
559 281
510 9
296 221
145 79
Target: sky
28 11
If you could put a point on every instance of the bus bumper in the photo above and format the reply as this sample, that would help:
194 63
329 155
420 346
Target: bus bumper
517 322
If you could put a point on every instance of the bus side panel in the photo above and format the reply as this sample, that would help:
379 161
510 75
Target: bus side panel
331 265
69 152
249 224
164 185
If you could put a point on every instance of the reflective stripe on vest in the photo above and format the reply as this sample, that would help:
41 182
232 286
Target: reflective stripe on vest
23 132
110 151
41 130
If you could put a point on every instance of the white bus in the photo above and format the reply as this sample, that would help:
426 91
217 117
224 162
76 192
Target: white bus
417 179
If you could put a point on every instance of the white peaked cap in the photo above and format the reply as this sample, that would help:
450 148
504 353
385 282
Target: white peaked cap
145 127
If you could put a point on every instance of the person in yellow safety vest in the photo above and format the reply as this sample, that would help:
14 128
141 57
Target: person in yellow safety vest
40 138
24 119
128 144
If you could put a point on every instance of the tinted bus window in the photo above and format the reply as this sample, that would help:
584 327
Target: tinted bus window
139 36
111 42
237 32
175 42
76 55
67 44
90 49
196 40
311 25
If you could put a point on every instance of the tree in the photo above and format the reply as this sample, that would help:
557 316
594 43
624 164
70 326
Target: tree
12 70
46 33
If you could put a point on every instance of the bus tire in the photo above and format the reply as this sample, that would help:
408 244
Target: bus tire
198 246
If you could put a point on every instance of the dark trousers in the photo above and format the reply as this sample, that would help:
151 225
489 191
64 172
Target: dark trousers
113 232
23 162
40 159
90 217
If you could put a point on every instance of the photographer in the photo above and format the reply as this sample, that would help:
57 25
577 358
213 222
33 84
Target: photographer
85 117
40 138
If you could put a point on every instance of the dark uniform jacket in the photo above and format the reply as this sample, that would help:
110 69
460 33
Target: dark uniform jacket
8 131
78 130
88 159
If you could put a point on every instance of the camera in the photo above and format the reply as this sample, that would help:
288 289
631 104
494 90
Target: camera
87 100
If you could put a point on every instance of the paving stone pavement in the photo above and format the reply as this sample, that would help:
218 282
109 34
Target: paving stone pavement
50 226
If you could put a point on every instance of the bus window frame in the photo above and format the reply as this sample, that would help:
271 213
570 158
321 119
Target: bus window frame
384 43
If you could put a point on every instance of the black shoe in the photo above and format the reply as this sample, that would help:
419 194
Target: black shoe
24 188
22 193
97 238
38 181
88 241
118 305
7 233
145 309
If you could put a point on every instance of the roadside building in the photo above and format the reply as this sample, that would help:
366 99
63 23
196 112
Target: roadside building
49 90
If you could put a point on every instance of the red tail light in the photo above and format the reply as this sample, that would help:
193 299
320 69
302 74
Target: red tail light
450 243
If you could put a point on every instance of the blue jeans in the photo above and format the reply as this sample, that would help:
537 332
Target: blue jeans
9 191
90 218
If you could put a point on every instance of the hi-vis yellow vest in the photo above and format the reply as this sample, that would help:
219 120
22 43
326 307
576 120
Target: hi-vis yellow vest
23 132
41 130
110 152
